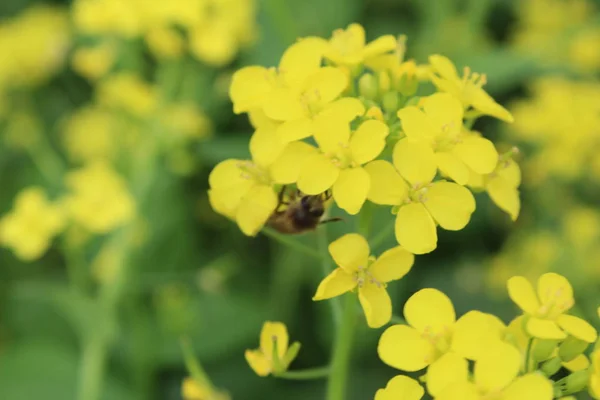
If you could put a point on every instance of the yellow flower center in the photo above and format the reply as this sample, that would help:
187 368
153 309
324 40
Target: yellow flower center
447 139
251 171
364 276
556 305
418 193
311 102
343 157
473 78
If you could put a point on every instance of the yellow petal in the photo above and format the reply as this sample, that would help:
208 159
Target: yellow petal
448 369
505 196
332 135
499 366
381 45
265 147
445 110
387 186
317 175
544 329
555 289
577 327
511 173
368 141
287 167
416 125
336 283
255 209
301 60
344 109
351 188
401 387
451 166
295 129
415 161
226 202
532 386
376 304
192 390
443 66
483 102
271 331
249 88
431 311
579 363
473 332
392 265
227 174
450 204
350 252
257 361
521 292
415 229
402 347
326 84
477 153
283 105
459 391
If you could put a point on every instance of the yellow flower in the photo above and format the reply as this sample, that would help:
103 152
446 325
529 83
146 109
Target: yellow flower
433 331
496 376
546 311
594 385
165 42
502 185
436 139
192 390
420 206
400 388
348 47
186 120
338 165
91 133
467 88
356 268
30 227
273 356
99 200
129 92
94 62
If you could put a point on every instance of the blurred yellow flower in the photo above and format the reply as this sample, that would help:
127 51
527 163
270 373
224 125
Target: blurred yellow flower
546 311
273 356
129 92
94 62
468 88
186 121
192 390
165 42
90 133
348 46
357 269
99 199
594 384
32 224
401 388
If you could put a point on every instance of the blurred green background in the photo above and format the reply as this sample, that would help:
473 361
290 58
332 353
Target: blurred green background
195 274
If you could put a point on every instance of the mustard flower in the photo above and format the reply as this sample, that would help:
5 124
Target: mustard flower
594 384
400 388
94 62
546 310
348 46
419 203
496 375
192 390
129 92
339 163
467 88
433 331
274 356
435 138
357 269
99 199
90 134
165 42
30 227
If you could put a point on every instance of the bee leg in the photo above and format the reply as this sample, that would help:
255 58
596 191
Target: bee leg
334 219
327 195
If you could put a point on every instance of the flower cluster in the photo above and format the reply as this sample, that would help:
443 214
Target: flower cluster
521 360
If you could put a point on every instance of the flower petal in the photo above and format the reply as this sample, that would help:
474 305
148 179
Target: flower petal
497 367
505 196
327 83
450 204
459 391
416 125
451 166
301 60
255 209
477 153
351 188
368 141
387 186
577 327
532 386
286 169
336 283
402 347
443 66
265 147
257 361
344 109
381 45
446 370
392 265
249 88
401 387
376 304
430 311
332 135
555 289
521 292
350 252
544 329
415 229
283 105
271 331
483 102
317 175
415 161
473 332
295 129
445 110
579 363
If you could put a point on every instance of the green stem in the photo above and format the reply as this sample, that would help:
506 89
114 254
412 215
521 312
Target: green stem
193 365
340 363
305 374
323 245
528 354
292 243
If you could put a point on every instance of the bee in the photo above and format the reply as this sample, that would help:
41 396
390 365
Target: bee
302 212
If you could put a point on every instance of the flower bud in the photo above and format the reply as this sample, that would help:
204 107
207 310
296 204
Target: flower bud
577 381
384 82
291 354
390 102
543 349
551 367
571 348
367 86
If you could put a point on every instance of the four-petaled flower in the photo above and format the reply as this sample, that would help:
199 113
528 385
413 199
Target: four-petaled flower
274 356
369 274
